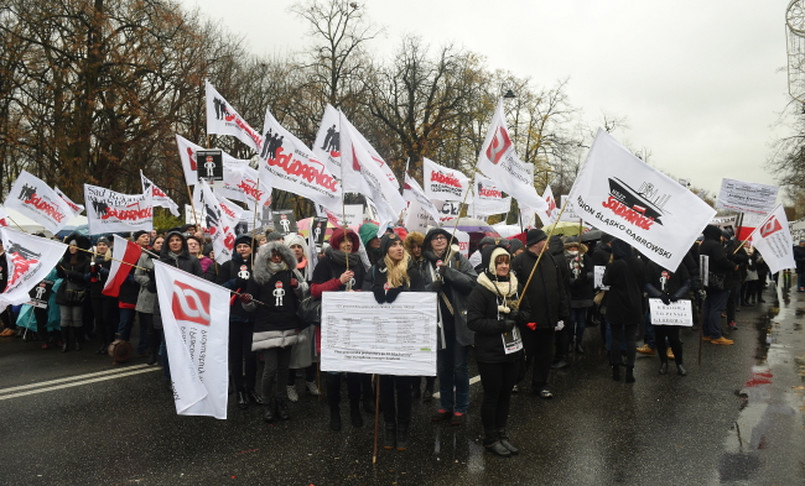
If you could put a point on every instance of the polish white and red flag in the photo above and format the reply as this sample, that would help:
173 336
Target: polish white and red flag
111 212
158 196
773 240
125 254
442 183
218 226
498 161
196 335
222 119
621 195
293 167
30 259
77 208
33 198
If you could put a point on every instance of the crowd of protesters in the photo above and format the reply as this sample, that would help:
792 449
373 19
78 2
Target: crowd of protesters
519 307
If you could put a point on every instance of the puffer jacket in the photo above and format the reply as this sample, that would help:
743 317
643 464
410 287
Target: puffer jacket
275 321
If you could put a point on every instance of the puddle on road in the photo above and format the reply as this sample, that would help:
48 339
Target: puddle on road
750 433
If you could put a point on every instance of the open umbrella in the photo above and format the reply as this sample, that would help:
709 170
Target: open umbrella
567 228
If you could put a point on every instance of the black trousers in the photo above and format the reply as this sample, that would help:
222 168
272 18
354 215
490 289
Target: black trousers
497 380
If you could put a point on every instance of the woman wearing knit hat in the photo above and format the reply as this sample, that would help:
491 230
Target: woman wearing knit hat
72 293
492 314
392 274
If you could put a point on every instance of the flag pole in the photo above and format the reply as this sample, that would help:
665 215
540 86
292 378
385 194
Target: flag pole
193 207
455 228
765 220
15 223
539 257
115 259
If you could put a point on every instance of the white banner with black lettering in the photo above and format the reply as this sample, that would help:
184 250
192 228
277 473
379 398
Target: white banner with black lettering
196 337
33 198
443 183
362 336
748 197
621 195
222 119
110 212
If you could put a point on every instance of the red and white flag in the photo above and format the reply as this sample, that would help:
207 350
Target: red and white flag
242 183
125 254
488 198
33 198
222 119
158 196
548 216
498 161
110 212
442 183
77 208
360 160
30 258
187 154
196 331
218 226
293 167
773 240
621 195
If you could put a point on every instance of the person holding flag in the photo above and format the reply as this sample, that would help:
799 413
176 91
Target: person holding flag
147 296
72 293
127 299
104 307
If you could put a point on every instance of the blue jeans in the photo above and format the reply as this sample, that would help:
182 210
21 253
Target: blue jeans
451 364
713 305
126 323
578 322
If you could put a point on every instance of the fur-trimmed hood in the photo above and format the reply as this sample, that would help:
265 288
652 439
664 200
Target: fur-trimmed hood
262 274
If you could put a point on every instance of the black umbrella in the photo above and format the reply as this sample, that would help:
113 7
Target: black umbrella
591 235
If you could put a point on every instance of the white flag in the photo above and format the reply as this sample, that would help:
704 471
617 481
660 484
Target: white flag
773 241
77 208
383 189
413 192
222 119
621 195
244 184
442 183
223 234
187 154
158 196
293 167
111 212
498 161
33 198
548 216
488 198
30 259
327 146
196 327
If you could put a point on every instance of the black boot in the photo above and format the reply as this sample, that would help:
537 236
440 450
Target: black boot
282 409
77 337
65 336
663 368
268 415
630 374
427 397
680 370
390 437
243 402
402 437
369 405
616 372
503 438
355 412
498 449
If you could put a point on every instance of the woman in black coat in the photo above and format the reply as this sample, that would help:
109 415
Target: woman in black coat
72 293
625 275
498 345
394 273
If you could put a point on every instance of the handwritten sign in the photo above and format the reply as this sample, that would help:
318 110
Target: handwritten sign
678 313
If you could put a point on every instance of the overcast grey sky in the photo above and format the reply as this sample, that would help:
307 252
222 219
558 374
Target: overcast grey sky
701 84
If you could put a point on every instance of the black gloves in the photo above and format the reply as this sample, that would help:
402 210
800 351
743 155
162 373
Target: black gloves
380 295
386 296
437 285
391 294
507 325
666 299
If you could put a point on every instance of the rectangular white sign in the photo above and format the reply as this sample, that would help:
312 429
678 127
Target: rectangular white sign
677 313
362 336
748 197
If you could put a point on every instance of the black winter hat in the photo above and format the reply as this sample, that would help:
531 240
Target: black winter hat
534 236
137 234
386 241
244 238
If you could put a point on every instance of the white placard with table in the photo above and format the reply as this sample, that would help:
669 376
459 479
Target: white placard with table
362 336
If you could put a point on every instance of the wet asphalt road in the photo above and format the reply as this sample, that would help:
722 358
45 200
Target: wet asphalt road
736 419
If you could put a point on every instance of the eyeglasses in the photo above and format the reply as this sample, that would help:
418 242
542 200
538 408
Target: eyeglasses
439 237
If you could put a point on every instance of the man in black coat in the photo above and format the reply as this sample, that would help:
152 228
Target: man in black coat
544 307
